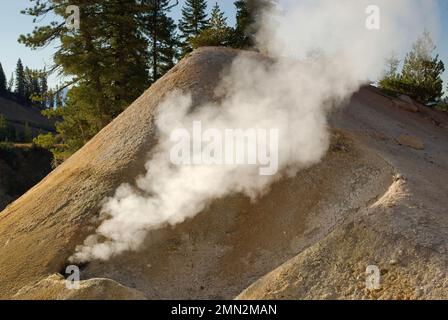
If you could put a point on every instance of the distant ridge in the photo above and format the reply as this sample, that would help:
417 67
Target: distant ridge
19 115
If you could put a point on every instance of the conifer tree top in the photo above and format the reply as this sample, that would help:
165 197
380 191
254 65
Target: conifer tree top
218 20
194 18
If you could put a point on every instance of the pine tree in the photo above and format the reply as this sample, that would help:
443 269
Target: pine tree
128 52
3 128
218 32
217 21
243 23
11 83
106 58
32 88
161 32
32 91
247 19
242 16
20 82
58 100
3 84
27 133
35 94
43 84
391 77
193 21
169 45
422 71
50 99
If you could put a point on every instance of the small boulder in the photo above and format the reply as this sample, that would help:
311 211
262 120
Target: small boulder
406 98
406 103
411 142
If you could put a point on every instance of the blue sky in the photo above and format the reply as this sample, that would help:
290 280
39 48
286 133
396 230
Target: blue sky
12 24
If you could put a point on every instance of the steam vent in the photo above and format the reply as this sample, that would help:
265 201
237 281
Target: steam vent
311 236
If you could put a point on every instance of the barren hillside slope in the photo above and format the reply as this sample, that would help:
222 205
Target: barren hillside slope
372 200
404 232
18 115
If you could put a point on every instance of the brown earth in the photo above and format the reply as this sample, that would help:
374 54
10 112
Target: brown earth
370 201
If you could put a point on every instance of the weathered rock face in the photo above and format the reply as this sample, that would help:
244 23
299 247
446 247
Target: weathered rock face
311 236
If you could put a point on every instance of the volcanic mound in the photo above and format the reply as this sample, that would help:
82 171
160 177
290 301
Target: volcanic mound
373 200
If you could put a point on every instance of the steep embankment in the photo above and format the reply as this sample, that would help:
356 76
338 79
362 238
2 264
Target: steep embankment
371 200
18 116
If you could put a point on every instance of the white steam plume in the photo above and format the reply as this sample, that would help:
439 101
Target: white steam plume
322 53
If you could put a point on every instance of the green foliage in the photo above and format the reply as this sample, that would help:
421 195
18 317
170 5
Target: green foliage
392 75
6 151
161 33
52 143
210 37
442 107
247 17
32 86
27 133
421 76
3 128
121 47
107 60
244 20
40 95
11 83
3 84
17 136
6 146
422 72
217 20
193 22
123 72
218 32
27 86
81 120
20 86
7 131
